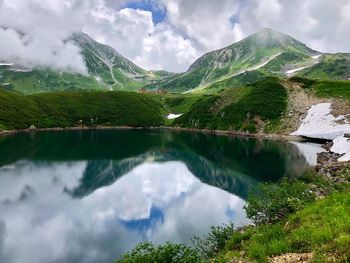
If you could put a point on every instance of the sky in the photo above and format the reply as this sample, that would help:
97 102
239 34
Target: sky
161 34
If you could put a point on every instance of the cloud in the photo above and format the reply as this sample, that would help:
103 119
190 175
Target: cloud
36 38
189 28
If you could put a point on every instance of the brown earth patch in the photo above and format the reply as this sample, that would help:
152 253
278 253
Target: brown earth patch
292 258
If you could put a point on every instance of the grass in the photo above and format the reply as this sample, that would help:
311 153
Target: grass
333 89
331 67
67 109
322 227
265 100
325 89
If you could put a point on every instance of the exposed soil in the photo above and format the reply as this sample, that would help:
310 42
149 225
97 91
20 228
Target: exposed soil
292 258
298 105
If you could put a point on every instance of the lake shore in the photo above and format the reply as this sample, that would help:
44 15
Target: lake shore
280 137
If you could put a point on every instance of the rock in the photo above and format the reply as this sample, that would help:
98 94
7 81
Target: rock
324 157
32 127
327 146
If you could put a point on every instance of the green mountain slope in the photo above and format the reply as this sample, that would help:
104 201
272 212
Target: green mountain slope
108 70
68 109
266 53
331 67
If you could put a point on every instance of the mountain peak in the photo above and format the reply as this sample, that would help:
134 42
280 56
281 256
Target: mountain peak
270 37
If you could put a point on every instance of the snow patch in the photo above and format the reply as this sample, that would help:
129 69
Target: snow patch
341 145
264 63
320 123
173 116
315 62
292 71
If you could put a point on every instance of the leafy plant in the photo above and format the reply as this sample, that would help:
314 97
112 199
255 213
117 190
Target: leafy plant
271 203
168 253
210 245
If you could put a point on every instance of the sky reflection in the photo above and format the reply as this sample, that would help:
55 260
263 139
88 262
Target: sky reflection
41 222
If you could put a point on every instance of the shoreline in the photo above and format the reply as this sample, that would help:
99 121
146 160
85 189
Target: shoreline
279 137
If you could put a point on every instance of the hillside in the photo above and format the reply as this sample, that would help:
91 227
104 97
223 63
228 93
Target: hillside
108 70
68 109
331 67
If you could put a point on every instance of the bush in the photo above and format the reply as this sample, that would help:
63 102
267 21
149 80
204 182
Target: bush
67 109
168 253
210 245
272 203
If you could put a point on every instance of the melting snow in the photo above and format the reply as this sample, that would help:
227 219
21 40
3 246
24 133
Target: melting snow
320 123
173 116
293 71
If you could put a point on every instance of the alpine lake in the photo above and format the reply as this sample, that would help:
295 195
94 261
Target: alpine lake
90 196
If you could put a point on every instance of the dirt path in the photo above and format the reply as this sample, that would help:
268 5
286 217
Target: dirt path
299 102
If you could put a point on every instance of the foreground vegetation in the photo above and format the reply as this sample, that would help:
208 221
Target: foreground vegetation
68 109
290 217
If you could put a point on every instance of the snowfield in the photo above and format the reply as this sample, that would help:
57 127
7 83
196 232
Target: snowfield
173 116
320 123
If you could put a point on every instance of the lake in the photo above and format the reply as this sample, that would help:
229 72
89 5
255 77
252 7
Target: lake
89 196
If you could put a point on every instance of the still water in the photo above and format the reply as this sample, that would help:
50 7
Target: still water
89 196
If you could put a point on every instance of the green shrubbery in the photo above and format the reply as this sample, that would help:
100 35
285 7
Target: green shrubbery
168 253
305 83
67 109
210 245
325 89
272 203
266 100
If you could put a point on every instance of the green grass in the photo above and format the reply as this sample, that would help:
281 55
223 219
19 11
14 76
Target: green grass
265 100
333 89
331 67
67 109
322 227
325 89
236 81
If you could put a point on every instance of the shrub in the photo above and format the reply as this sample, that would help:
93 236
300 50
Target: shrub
271 203
168 253
210 245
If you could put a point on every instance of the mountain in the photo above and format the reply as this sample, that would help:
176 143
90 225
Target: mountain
267 52
108 70
330 67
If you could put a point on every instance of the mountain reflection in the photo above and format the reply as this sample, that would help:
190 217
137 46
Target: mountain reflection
91 196
232 164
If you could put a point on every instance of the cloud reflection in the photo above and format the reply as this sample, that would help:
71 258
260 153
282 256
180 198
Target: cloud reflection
154 201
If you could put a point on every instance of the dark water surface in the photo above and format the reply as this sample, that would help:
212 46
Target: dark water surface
89 196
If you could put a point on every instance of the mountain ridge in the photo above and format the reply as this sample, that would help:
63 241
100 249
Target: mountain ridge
262 54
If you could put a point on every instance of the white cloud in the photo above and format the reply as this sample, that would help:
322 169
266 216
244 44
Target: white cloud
205 22
190 28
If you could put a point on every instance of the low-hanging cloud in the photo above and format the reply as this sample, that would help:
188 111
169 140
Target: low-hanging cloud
33 34
190 28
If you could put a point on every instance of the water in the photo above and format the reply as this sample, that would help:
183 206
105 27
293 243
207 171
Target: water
91 196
